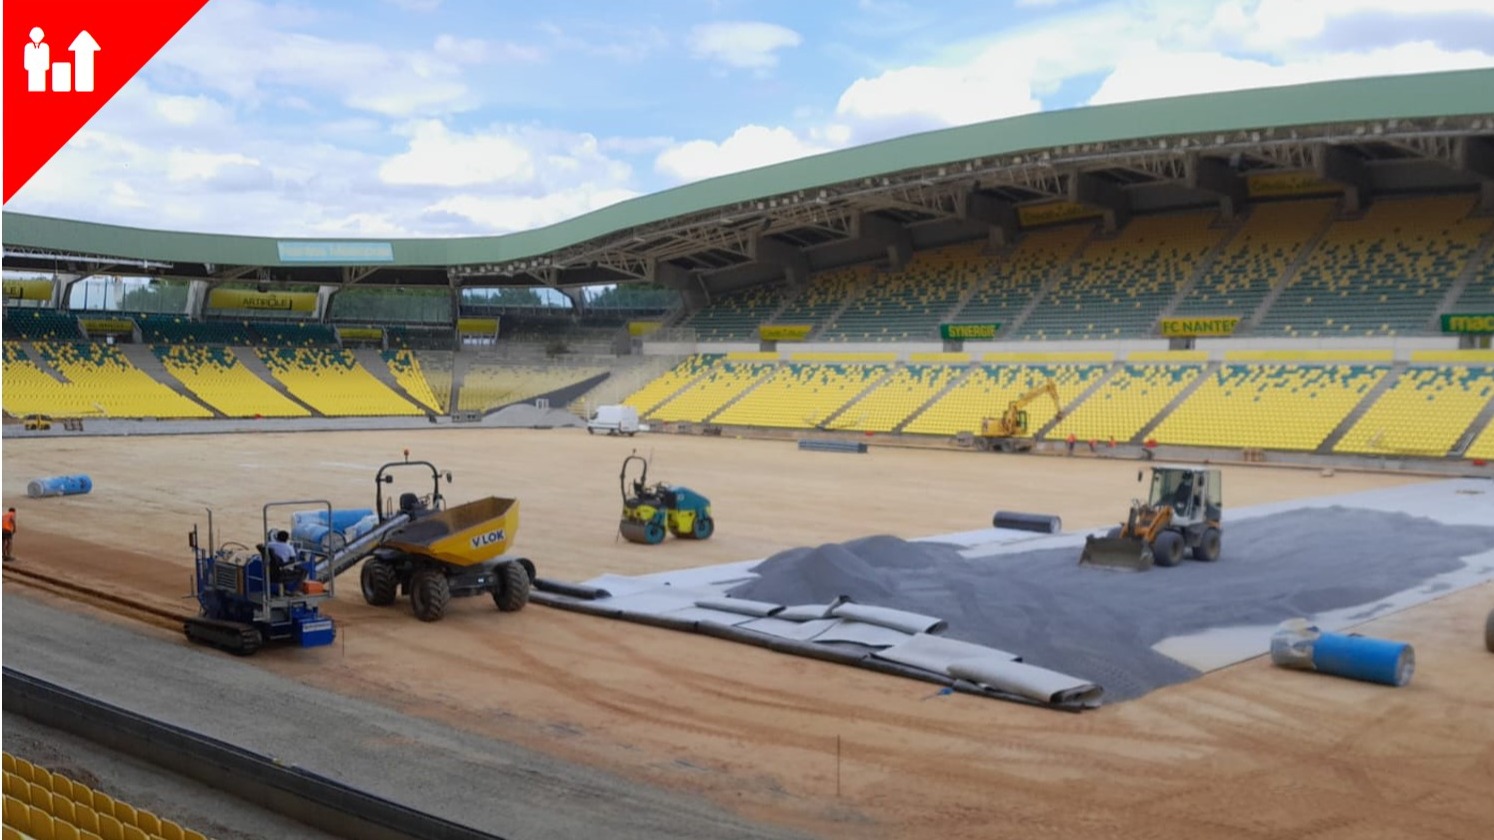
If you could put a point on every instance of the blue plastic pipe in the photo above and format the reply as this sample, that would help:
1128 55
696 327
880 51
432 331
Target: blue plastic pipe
59 485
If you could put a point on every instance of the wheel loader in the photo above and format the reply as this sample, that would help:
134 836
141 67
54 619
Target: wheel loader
1181 514
649 511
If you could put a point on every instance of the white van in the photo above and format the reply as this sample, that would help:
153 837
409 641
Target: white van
614 420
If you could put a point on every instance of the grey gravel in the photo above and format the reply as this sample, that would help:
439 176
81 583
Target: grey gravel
1100 624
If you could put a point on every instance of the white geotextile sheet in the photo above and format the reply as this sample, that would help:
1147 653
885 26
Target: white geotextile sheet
861 633
892 619
934 653
802 631
729 619
757 609
1025 680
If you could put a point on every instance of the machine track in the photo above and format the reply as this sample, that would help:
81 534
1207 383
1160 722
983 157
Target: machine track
107 601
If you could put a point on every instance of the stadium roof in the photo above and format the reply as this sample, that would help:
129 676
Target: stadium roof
953 183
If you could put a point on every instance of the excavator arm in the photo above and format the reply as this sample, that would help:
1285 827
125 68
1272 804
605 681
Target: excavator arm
1010 422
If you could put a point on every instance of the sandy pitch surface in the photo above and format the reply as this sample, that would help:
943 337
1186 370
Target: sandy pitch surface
1251 751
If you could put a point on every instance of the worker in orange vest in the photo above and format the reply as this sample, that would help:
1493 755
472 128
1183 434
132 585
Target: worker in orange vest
10 529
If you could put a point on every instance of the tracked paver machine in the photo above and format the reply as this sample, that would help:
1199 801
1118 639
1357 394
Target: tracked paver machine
1182 513
246 601
649 511
434 553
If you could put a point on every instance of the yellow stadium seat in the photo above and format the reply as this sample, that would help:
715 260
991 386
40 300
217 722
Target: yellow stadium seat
669 384
110 827
63 830
124 812
489 385
103 803
40 797
909 303
801 395
332 382
896 398
24 769
722 383
170 830
1424 413
134 833
188 834
62 807
41 825
12 833
988 389
147 821
17 813
8 761
85 817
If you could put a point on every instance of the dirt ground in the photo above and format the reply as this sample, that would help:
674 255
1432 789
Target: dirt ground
1251 751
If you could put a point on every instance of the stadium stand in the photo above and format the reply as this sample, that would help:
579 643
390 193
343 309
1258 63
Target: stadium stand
406 369
293 334
722 383
1016 278
989 388
800 396
219 379
45 805
488 385
1483 445
178 329
1382 274
1270 406
827 291
908 389
1424 413
664 387
333 383
26 324
736 316
1258 256
1119 286
1126 402
910 303
100 382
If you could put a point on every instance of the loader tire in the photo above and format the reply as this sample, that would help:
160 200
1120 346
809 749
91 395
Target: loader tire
429 594
513 587
1208 547
379 582
1167 549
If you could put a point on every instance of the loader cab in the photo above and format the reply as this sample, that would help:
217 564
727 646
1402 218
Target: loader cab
1194 494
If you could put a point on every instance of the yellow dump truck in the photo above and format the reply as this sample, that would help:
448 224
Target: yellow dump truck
434 553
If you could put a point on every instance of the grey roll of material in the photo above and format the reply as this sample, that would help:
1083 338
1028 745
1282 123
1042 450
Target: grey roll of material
1041 523
810 612
574 590
742 606
907 622
1026 680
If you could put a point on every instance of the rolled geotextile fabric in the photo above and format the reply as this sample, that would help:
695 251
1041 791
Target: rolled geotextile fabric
1299 645
59 485
740 606
893 619
1041 523
1025 680
574 590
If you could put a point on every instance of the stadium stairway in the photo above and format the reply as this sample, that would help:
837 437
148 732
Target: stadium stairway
1206 373
372 361
1290 274
1484 421
40 361
1231 230
829 421
1477 263
1088 392
937 396
460 362
1370 398
251 360
140 356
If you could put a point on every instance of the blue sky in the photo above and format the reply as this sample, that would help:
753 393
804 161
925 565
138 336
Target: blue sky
453 117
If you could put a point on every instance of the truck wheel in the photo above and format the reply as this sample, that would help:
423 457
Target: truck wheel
513 587
704 527
379 582
429 594
1208 547
1167 549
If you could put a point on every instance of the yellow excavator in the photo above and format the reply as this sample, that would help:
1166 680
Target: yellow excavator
1009 432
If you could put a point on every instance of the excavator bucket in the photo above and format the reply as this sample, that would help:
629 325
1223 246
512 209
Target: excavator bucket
1116 553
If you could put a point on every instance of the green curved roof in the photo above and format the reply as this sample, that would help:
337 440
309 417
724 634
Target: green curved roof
1457 93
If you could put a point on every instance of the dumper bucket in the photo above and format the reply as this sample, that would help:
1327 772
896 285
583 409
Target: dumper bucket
466 535
1116 553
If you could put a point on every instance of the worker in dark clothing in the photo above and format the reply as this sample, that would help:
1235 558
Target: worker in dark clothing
10 529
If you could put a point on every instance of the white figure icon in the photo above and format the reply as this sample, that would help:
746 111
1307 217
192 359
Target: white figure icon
38 61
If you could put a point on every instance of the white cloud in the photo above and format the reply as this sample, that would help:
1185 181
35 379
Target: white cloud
750 45
748 147
1151 74
185 165
416 5
1274 26
503 214
437 157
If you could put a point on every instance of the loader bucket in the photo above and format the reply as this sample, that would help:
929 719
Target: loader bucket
1116 553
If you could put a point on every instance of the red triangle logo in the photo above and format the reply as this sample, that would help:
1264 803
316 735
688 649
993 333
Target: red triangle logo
64 59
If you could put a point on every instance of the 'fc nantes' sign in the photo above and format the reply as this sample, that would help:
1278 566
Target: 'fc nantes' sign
968 332
1192 327
784 332
1468 324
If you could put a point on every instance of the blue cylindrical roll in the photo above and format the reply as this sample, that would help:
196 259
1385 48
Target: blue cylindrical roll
59 485
341 519
1362 658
